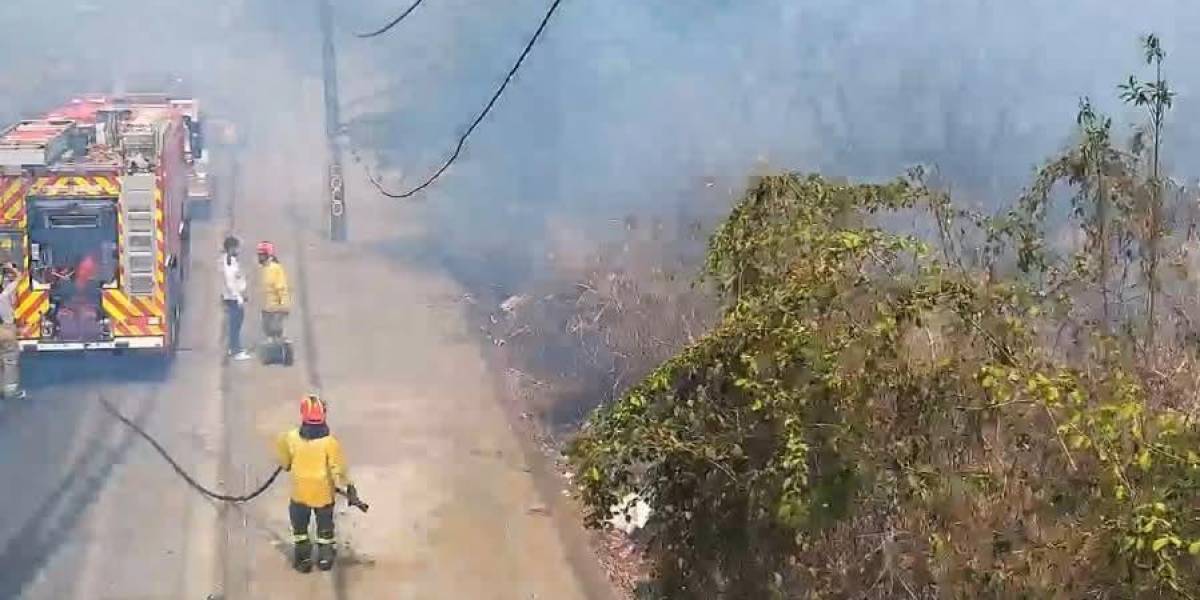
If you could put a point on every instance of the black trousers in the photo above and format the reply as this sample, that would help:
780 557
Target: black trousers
234 315
300 514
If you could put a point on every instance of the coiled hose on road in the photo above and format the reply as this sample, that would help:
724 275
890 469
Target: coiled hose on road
112 410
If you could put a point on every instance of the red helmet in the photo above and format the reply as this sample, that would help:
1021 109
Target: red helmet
312 409
266 248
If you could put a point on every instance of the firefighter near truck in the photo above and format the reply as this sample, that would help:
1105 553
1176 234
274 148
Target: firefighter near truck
93 214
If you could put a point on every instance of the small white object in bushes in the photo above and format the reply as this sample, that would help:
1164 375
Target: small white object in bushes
513 303
630 514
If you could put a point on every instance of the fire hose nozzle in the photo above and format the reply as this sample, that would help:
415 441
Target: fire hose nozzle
353 500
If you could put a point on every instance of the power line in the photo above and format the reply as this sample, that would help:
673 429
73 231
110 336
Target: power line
393 23
462 140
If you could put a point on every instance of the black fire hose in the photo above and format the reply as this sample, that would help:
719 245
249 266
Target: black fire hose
112 410
353 499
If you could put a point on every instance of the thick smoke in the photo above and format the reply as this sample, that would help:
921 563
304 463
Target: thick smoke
627 105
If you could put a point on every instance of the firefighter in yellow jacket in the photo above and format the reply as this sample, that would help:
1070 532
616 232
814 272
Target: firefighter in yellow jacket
277 301
314 458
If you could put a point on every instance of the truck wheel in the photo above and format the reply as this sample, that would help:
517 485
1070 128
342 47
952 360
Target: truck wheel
176 322
185 249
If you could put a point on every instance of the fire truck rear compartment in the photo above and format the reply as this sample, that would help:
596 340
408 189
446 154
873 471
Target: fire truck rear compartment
63 232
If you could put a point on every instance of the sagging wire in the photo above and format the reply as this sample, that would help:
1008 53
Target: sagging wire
462 140
393 23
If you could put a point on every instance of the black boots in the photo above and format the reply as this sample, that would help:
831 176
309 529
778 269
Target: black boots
302 560
325 555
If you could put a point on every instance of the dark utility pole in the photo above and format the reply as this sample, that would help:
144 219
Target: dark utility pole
336 183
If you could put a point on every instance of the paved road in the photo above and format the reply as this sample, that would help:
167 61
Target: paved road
92 512
451 483
462 507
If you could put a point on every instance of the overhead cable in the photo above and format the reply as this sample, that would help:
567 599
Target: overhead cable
462 140
393 23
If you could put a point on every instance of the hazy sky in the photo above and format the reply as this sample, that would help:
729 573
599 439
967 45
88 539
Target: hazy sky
627 103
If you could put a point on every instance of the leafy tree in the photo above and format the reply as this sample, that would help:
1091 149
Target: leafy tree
1105 185
882 415
1156 97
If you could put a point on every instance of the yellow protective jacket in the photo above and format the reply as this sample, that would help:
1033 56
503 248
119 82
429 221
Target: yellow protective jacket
316 466
276 297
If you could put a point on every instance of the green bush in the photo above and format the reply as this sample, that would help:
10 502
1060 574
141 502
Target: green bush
874 417
980 412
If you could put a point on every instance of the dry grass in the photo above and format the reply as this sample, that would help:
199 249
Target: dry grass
605 316
596 323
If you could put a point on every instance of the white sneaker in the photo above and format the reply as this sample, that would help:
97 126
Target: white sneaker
243 355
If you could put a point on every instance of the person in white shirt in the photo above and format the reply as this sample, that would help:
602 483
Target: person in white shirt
233 296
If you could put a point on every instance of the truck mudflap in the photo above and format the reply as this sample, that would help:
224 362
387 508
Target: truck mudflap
157 342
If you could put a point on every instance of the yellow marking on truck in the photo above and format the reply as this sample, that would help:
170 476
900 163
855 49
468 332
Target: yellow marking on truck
30 302
160 240
108 185
117 305
9 193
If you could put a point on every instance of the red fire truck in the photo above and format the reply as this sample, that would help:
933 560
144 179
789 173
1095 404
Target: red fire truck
92 213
